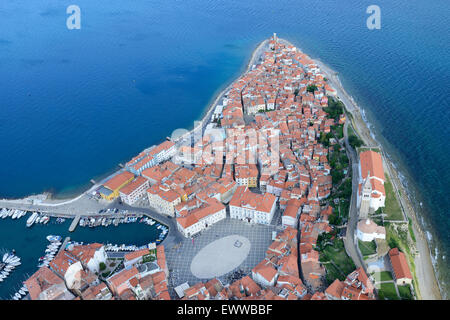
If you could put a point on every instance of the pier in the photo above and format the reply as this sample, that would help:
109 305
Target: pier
63 246
74 223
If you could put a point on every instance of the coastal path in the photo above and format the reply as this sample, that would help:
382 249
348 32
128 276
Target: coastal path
349 239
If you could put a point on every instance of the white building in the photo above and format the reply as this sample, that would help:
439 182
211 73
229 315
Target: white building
251 207
367 230
201 218
291 214
134 191
372 194
91 255
264 275
163 199
73 275
164 151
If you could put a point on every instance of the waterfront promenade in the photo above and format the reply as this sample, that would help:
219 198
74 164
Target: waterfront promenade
84 205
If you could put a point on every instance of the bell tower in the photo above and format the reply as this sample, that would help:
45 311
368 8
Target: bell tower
365 198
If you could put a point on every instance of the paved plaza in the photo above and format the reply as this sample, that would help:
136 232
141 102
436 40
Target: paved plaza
220 257
181 256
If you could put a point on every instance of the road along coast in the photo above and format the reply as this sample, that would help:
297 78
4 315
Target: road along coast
428 285
425 273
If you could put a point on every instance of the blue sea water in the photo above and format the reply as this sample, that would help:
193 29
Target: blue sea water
75 103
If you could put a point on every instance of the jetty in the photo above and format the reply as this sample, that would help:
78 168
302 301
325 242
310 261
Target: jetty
64 244
74 223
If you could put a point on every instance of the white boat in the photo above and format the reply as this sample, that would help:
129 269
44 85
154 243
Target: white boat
4 257
10 213
14 259
32 218
53 238
14 215
9 258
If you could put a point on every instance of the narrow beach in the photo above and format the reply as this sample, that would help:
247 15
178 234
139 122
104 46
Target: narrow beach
428 285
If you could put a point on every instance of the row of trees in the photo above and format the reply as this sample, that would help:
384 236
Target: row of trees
335 108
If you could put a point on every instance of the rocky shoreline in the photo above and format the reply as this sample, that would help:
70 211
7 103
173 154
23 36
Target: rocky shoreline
425 273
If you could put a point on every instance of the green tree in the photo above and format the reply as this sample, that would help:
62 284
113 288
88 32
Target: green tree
311 88
355 142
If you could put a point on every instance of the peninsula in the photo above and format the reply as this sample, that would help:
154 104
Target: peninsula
281 162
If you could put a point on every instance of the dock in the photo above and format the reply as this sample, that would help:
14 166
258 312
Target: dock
74 223
63 246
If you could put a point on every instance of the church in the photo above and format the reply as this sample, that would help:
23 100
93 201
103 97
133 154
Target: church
371 194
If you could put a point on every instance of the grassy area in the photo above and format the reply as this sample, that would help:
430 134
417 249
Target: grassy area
396 238
387 290
405 292
337 254
148 258
353 139
399 239
411 232
392 207
362 149
338 161
383 276
339 130
367 248
333 273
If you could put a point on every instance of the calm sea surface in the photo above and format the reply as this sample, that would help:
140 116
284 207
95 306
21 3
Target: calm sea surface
75 103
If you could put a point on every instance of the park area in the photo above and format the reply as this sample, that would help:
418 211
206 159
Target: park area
336 261
367 248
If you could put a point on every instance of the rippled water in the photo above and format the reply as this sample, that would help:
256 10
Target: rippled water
74 104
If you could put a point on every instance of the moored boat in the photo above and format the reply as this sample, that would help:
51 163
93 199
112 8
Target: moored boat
32 219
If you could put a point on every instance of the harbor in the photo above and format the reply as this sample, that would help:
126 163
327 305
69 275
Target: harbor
34 248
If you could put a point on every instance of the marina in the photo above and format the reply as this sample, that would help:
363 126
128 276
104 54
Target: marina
11 213
35 246
8 263
51 251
